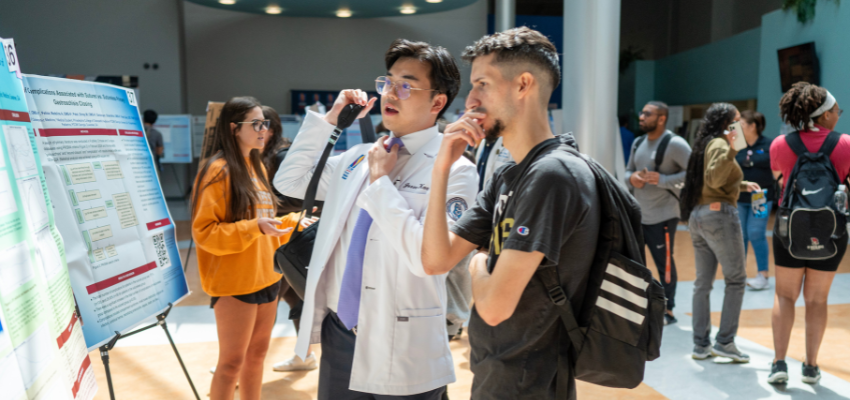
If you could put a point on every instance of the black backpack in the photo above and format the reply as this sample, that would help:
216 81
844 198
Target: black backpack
619 326
659 153
807 222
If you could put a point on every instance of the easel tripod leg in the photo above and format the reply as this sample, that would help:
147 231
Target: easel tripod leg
176 353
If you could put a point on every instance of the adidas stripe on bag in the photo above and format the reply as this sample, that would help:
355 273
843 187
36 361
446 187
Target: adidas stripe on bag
618 329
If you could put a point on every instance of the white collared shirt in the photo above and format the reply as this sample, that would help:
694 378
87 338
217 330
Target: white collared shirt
412 143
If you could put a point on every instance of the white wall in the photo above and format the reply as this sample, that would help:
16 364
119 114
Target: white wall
100 37
232 53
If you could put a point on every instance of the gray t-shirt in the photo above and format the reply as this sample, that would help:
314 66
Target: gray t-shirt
656 202
554 209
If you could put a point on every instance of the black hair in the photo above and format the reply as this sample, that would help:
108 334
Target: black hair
274 143
517 45
717 119
661 107
445 76
754 117
150 117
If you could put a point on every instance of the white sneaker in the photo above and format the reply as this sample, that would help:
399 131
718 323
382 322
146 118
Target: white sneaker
297 364
758 283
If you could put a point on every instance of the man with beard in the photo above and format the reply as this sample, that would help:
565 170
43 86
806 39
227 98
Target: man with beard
656 187
541 212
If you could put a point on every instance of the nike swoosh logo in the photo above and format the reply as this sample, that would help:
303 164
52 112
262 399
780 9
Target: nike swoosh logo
660 246
808 192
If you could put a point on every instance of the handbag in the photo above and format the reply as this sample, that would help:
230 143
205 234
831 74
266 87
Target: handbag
293 258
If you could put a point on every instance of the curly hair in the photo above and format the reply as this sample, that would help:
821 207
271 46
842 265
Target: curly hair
518 45
717 119
801 100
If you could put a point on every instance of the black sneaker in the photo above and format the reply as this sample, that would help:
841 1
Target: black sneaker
669 319
811 374
778 373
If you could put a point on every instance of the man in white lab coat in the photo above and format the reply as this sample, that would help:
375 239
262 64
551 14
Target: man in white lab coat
379 317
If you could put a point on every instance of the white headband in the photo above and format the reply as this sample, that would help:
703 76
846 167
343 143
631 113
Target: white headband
826 106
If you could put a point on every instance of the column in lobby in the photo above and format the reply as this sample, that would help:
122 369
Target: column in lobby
590 76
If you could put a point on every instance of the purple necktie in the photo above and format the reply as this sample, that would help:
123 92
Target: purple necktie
348 308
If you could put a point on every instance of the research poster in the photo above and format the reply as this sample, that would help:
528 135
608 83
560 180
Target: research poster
119 236
43 354
176 133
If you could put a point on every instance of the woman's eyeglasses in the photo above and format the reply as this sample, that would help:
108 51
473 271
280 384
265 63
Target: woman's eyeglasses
402 88
258 125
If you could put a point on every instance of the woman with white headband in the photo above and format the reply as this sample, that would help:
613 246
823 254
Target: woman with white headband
813 111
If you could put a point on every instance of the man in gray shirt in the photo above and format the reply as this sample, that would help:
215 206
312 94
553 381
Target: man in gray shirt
656 178
154 137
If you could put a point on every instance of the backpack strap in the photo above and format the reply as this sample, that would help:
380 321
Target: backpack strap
796 143
566 354
829 144
662 148
636 144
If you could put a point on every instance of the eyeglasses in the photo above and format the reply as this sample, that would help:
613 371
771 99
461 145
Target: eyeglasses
840 111
259 125
402 88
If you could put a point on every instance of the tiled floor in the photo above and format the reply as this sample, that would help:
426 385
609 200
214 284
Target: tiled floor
144 367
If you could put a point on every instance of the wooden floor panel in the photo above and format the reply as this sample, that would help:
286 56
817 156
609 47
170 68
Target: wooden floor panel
755 325
152 373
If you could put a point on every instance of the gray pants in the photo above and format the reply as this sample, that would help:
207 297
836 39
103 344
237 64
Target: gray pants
717 236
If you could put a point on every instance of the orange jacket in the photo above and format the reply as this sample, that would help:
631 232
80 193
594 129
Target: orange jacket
234 258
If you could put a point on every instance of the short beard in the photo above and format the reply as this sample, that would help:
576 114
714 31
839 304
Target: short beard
648 128
493 133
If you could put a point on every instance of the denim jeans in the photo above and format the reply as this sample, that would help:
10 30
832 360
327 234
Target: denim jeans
755 230
717 237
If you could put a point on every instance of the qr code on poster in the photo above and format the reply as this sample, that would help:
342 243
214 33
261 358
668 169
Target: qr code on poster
162 258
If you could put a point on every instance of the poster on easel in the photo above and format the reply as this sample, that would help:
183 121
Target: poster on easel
176 133
43 352
121 248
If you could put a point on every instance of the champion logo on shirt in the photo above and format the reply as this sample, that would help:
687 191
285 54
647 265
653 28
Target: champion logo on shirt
522 231
353 166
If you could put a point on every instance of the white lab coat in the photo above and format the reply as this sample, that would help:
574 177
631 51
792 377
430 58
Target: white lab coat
402 346
499 156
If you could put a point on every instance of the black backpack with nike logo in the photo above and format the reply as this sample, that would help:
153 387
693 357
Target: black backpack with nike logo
807 222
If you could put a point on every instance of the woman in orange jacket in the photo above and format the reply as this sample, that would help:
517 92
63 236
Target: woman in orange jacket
234 226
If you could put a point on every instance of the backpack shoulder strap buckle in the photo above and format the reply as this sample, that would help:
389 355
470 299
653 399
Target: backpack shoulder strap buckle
557 295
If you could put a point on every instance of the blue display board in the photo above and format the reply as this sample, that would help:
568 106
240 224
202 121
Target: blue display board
176 133
121 249
42 348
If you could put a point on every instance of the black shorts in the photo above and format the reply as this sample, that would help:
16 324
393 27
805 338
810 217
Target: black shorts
262 296
782 258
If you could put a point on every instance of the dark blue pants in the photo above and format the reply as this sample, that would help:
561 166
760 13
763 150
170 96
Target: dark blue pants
335 366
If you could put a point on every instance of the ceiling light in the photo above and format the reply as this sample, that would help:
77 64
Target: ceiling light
273 10
227 2
434 1
408 10
343 13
